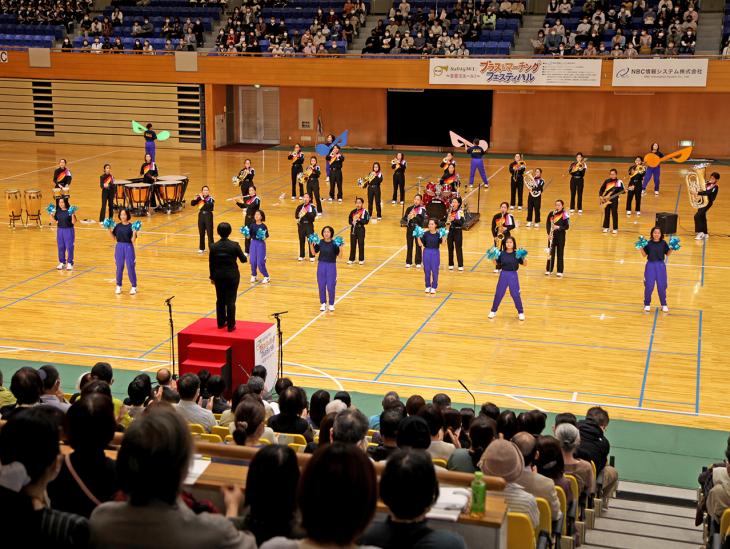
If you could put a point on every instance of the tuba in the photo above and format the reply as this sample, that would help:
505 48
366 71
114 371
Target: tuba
531 184
696 183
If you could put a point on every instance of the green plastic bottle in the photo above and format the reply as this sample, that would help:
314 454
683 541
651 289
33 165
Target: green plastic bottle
478 494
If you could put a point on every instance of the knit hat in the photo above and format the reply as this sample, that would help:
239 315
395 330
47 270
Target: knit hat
503 459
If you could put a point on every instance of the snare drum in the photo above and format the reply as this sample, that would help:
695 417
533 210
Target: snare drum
15 205
33 205
138 197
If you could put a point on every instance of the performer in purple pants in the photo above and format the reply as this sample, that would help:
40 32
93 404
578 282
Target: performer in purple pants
149 142
257 255
327 252
429 243
508 263
124 254
65 235
655 273
653 172
477 163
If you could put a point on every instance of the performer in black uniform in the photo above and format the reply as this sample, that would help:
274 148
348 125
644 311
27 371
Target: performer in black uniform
225 276
535 202
455 219
61 181
245 177
305 214
106 183
711 190
250 203
374 190
205 205
517 181
558 221
335 159
636 179
577 171
297 159
398 165
358 218
149 173
416 216
314 172
608 195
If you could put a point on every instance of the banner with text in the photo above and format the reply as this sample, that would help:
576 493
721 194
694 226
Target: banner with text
471 71
660 72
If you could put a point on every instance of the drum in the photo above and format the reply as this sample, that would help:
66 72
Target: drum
33 205
430 193
184 179
120 199
437 210
15 206
138 197
169 195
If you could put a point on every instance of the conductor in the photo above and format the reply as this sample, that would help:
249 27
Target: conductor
225 276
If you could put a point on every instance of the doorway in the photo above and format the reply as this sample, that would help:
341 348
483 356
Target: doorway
258 115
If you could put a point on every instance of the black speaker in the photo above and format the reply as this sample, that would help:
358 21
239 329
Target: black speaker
667 222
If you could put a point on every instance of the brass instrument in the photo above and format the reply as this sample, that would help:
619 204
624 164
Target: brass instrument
303 177
363 182
499 238
578 166
395 163
243 174
696 183
531 184
549 248
521 165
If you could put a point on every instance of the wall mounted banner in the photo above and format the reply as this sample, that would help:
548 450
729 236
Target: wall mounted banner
472 71
673 72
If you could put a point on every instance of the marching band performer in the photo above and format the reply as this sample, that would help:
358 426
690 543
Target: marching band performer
297 160
656 250
124 254
258 232
329 140
358 218
577 171
327 251
205 205
374 190
416 216
447 161
305 215
653 172
636 177
517 181
535 202
502 224
250 203
398 165
313 183
149 141
429 243
245 177
558 221
61 181
65 235
477 163
608 195
149 173
508 262
450 179
455 219
334 161
711 190
106 184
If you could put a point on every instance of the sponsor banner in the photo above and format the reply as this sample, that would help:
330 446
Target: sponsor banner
684 72
265 353
470 71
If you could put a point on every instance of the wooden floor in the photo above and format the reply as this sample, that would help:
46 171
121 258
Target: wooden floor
586 339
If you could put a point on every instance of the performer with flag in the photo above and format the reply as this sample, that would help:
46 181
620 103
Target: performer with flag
205 204
149 141
477 163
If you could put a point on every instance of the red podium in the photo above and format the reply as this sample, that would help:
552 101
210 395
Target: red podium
232 355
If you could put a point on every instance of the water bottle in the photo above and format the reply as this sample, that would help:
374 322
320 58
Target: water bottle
478 494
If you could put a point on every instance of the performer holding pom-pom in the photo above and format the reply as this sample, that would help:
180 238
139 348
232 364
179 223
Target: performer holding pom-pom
508 261
327 249
125 233
429 241
656 250
258 233
65 219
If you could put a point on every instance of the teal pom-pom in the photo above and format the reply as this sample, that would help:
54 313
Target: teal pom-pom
73 209
521 253
136 226
245 231
443 232
339 241
313 238
493 253
51 209
261 234
641 243
418 232
108 223
674 243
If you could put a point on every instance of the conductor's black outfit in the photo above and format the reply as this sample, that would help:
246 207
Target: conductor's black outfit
224 274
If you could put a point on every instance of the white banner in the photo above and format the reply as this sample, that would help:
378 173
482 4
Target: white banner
471 71
265 354
660 72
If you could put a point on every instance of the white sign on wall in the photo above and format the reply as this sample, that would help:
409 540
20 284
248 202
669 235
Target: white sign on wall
675 72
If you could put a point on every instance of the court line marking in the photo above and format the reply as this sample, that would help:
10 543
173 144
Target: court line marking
343 296
413 336
28 279
699 359
75 275
109 153
74 353
702 270
324 374
648 358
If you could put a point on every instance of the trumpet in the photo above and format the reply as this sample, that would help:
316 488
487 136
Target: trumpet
578 166
634 170
395 163
696 183
363 182
531 184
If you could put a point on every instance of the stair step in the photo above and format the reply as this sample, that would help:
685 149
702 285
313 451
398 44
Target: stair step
191 365
649 530
643 517
601 538
208 351
658 508
209 347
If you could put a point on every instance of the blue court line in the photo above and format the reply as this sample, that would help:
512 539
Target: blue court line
702 271
561 343
699 360
76 275
413 335
27 280
477 263
648 358
113 305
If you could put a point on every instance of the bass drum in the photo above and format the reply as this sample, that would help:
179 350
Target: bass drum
437 210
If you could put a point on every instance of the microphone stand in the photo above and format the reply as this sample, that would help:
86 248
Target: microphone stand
470 393
168 302
280 335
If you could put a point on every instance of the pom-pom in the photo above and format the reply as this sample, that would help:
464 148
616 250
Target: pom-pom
245 231
339 241
313 238
521 253
73 209
136 226
641 243
674 243
418 232
261 234
108 223
443 232
493 253
51 209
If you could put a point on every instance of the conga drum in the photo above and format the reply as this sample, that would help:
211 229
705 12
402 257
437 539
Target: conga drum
120 200
33 205
15 206
138 197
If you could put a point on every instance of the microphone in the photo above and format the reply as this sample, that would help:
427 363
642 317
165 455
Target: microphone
279 313
169 299
470 394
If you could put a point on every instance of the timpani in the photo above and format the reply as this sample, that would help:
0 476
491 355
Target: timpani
120 198
33 205
138 197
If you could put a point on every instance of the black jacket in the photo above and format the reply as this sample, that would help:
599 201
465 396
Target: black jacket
594 445
222 259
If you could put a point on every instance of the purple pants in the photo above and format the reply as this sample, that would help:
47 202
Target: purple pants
508 279
655 272
65 238
431 263
327 280
149 148
477 164
257 257
124 254
327 167
652 172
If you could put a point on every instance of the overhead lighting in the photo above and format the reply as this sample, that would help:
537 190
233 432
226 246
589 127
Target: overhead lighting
257 86
686 143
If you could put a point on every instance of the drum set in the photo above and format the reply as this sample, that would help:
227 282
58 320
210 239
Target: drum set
437 199
135 194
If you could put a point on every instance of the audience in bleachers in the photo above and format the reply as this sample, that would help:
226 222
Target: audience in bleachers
6 395
189 390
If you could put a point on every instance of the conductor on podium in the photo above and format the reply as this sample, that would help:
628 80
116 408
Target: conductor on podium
225 276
